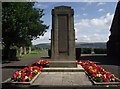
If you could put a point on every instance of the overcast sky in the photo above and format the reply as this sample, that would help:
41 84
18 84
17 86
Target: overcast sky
92 20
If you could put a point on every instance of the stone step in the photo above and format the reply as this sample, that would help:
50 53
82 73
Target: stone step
63 64
62 79
62 61
80 69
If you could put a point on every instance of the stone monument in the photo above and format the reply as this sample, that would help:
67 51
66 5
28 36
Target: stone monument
63 37
113 45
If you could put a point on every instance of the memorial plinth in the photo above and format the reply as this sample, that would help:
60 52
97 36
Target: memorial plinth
62 37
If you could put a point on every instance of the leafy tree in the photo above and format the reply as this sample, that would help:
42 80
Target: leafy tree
20 24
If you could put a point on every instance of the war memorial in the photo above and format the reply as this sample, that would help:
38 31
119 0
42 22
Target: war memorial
62 70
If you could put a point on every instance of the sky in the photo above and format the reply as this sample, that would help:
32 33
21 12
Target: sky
92 20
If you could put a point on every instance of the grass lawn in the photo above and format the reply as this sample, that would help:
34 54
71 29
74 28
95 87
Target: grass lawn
33 54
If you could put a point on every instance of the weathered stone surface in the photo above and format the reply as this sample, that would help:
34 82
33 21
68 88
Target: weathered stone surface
62 79
63 64
60 69
63 35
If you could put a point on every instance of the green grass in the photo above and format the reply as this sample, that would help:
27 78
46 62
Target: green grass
39 52
33 54
86 54
28 56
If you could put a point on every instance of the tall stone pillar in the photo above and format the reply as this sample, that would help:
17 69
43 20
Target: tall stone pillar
63 35
113 45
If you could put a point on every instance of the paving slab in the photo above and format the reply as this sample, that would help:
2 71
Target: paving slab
62 79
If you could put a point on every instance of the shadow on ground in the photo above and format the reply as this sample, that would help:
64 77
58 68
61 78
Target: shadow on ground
14 67
9 61
102 59
46 58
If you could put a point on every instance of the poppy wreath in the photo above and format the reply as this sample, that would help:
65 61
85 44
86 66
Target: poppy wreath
96 72
43 63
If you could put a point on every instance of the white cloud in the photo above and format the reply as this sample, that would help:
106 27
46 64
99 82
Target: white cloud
84 14
93 30
43 39
100 10
101 3
40 5
93 38
86 30
89 3
76 16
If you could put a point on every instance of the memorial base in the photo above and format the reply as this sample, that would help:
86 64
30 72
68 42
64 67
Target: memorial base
69 64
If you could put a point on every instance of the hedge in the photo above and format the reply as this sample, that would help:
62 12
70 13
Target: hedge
100 51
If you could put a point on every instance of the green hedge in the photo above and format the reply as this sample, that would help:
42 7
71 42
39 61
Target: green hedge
86 50
100 51
78 52
49 52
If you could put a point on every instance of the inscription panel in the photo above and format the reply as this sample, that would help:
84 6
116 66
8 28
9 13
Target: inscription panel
63 33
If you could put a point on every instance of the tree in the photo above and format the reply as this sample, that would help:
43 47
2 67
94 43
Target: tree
20 24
